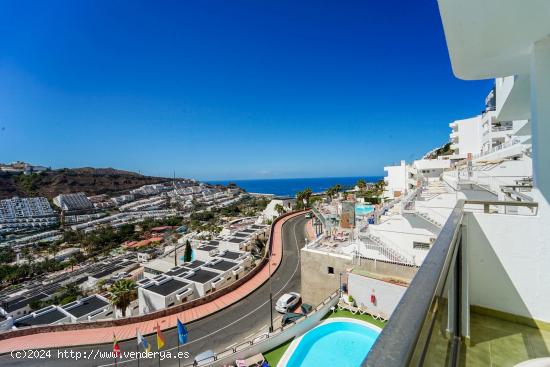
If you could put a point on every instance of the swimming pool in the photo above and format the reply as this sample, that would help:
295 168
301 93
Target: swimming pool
338 342
363 209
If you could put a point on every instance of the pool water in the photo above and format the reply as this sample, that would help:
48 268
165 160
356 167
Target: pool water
362 209
334 344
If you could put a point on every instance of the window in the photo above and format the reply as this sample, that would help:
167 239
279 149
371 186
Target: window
330 270
421 245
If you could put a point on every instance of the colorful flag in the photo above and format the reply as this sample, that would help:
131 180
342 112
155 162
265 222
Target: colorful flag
141 341
160 338
116 347
182 333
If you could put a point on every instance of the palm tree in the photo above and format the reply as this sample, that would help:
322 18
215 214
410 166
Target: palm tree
188 252
28 254
100 285
53 249
299 200
279 209
361 184
306 196
72 262
122 293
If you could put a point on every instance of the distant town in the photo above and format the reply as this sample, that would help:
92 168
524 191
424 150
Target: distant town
76 246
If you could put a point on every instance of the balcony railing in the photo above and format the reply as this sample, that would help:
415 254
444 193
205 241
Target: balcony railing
509 143
501 128
430 321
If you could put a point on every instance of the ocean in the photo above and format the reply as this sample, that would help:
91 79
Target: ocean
290 186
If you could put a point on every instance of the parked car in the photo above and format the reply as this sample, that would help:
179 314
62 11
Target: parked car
309 215
204 358
287 302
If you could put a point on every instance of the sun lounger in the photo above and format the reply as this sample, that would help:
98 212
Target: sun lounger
254 361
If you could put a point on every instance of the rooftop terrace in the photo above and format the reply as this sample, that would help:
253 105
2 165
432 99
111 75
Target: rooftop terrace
202 276
168 287
222 265
85 306
43 319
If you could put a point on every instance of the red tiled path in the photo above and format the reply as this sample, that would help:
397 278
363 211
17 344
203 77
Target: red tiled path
310 231
105 335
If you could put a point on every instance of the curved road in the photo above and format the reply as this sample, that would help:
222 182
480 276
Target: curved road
225 328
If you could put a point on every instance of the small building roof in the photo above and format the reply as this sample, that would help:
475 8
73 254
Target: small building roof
45 318
223 265
236 240
168 287
206 248
194 264
202 276
85 306
231 255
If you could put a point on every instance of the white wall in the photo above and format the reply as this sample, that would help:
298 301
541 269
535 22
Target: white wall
150 301
469 135
396 179
432 164
508 259
433 168
270 213
398 233
387 294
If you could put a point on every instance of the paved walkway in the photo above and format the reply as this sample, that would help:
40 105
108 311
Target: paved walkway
105 335
310 231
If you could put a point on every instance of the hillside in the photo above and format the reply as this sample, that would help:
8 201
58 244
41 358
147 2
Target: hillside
92 181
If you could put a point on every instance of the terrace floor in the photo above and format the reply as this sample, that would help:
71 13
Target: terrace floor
496 342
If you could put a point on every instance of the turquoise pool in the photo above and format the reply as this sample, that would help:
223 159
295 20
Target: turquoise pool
338 343
363 209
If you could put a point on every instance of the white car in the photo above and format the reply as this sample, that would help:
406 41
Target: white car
287 302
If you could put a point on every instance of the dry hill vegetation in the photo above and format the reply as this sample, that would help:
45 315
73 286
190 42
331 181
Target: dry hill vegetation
92 181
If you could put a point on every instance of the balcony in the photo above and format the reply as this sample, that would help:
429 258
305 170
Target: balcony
448 316
453 135
502 128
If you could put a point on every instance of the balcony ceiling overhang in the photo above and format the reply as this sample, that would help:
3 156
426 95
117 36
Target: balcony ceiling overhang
517 104
493 38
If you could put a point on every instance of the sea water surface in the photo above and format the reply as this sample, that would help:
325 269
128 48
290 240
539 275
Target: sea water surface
290 186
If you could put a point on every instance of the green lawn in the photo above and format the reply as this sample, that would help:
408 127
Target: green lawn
348 314
274 355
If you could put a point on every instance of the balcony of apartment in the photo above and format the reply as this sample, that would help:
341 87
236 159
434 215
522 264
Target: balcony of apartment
453 135
454 146
480 297
501 131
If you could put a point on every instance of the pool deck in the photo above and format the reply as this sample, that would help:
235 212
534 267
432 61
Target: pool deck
286 357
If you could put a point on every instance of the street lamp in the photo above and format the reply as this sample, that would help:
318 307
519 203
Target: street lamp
340 286
270 293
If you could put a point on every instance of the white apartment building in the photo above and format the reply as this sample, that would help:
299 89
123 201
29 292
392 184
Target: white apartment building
404 178
466 137
397 183
50 315
482 298
162 292
73 202
94 307
270 213
429 168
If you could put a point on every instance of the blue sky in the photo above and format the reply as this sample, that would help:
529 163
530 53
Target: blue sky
227 89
